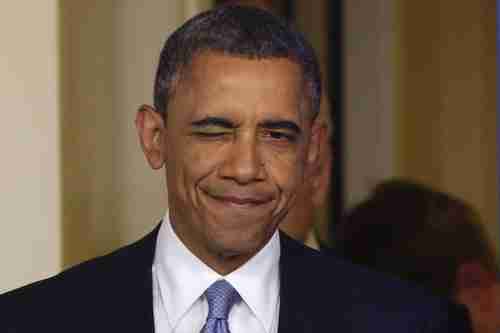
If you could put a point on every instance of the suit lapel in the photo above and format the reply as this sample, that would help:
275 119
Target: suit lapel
135 308
296 315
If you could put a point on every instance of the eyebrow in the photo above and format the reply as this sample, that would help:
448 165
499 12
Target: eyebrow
213 121
282 124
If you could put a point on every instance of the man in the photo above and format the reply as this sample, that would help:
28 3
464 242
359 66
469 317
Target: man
236 97
430 238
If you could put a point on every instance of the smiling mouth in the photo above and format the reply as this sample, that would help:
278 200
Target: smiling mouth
241 201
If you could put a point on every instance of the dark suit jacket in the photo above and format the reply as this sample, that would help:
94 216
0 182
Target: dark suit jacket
318 294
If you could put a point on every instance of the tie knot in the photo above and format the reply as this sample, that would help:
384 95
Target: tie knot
221 296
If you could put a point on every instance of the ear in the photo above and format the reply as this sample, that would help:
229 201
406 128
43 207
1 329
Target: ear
316 145
473 285
476 288
318 161
151 131
473 275
321 175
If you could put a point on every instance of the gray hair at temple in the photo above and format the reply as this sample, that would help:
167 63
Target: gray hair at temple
241 31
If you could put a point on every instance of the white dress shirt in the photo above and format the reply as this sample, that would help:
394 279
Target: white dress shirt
180 280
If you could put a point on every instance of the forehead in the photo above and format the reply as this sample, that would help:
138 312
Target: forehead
204 61
219 78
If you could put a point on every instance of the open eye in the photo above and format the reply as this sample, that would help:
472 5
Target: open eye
280 136
280 132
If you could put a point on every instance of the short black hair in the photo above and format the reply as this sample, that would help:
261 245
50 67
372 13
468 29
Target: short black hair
235 30
417 233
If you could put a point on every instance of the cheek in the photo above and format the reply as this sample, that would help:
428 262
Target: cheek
198 162
286 170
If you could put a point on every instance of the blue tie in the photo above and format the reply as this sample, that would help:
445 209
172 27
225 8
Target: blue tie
221 296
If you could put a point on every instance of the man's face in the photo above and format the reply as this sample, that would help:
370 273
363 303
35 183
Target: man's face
236 142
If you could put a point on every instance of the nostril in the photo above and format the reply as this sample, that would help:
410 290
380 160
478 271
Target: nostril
243 167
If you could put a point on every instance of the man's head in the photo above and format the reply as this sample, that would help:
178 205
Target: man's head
240 31
236 96
430 238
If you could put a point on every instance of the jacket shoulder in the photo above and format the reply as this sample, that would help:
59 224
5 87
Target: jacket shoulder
86 288
359 299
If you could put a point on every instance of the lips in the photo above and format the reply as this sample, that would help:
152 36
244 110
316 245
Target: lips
239 198
242 200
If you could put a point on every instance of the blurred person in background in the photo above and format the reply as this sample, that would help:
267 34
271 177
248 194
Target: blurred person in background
430 238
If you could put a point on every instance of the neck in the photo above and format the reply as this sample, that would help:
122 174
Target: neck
225 264
220 259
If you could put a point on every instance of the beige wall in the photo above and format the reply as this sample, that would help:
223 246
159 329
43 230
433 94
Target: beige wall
87 128
111 50
447 99
30 233
369 72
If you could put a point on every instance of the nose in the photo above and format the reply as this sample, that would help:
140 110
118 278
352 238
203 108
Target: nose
243 162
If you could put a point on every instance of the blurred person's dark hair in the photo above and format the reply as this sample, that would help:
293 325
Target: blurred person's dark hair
412 231
235 30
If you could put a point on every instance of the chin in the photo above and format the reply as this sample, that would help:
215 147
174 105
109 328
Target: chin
241 244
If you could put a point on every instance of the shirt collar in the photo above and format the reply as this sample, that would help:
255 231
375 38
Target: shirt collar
183 278
257 282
